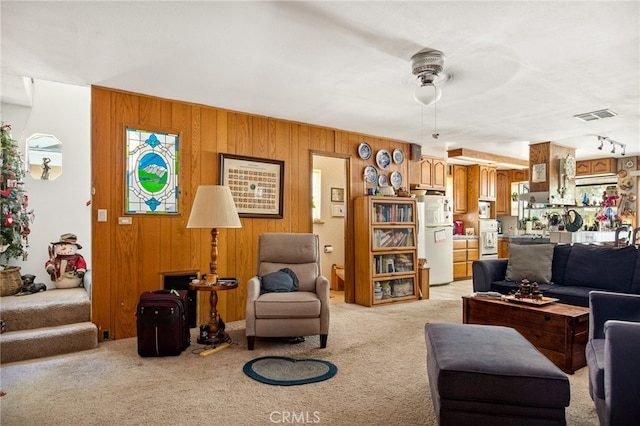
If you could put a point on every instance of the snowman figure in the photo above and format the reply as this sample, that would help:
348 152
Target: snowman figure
65 265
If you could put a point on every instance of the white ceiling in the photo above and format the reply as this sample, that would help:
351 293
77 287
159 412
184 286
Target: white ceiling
519 70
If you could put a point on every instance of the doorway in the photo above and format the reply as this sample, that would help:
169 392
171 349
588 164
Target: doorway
329 213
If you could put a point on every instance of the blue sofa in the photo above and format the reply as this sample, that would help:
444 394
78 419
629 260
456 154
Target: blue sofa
576 269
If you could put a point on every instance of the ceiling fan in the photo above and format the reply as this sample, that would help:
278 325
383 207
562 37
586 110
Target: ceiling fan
426 65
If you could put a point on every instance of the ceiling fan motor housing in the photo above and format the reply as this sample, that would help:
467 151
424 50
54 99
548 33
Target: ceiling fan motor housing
427 64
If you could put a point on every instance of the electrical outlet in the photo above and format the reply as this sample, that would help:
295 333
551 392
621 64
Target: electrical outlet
105 335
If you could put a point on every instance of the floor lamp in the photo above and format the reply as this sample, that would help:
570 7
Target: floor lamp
213 208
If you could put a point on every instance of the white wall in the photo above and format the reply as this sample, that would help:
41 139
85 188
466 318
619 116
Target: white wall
60 206
331 232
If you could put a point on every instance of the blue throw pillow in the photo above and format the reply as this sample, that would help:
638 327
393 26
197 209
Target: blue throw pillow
281 281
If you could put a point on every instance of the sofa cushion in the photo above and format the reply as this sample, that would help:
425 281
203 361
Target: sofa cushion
606 268
635 284
532 261
296 304
559 263
571 295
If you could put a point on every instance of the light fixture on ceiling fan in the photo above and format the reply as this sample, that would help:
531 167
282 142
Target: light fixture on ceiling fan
426 65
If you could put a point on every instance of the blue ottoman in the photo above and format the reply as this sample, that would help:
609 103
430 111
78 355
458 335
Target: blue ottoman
491 375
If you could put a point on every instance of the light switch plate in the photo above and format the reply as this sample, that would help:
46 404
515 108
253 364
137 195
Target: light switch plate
102 215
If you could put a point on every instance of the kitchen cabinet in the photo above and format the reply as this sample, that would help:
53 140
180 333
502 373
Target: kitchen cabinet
465 251
488 183
503 193
505 180
432 174
518 175
597 167
459 259
459 189
473 253
503 248
482 183
386 256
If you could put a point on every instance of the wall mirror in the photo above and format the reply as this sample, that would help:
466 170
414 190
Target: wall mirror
44 156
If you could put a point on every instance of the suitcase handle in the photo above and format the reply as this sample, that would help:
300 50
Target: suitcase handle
167 291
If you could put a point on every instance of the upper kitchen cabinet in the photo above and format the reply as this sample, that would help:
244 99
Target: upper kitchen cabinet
485 177
597 167
459 189
503 190
431 174
518 175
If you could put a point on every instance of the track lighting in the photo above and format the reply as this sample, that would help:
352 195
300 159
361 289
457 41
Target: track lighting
603 139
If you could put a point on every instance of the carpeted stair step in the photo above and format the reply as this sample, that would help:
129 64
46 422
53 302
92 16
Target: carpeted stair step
45 309
47 341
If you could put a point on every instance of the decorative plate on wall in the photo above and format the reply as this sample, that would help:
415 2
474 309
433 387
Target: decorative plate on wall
383 159
364 151
370 174
396 179
383 180
398 156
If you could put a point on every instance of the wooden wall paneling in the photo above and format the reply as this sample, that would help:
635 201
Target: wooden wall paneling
126 257
102 273
177 240
203 135
151 113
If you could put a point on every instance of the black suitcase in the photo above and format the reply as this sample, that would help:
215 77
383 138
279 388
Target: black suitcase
163 323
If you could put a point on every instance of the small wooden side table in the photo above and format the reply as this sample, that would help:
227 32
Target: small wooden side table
216 333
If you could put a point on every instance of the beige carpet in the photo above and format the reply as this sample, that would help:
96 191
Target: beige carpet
381 380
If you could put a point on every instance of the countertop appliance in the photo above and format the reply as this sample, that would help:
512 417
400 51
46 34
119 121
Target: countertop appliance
484 209
458 227
435 236
488 233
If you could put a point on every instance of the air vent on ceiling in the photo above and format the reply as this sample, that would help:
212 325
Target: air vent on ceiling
596 115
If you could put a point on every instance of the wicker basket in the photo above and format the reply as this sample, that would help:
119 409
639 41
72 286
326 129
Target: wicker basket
10 281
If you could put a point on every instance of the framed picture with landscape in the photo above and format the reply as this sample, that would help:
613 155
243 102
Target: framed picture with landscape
256 184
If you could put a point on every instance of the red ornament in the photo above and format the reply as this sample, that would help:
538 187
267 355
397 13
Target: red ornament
9 220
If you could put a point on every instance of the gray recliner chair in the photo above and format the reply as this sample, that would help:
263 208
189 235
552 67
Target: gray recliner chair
613 357
304 312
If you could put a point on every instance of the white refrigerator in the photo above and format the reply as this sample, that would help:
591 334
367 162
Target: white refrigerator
435 236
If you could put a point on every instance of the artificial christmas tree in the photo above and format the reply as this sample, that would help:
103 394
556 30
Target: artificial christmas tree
14 214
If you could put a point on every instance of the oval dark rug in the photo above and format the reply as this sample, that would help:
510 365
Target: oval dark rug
283 371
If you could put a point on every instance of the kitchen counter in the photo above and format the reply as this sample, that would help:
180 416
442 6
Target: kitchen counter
465 237
584 237
525 239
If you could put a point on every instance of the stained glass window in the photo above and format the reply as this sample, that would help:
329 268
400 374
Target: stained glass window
152 172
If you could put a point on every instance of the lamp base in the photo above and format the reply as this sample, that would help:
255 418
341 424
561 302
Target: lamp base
211 279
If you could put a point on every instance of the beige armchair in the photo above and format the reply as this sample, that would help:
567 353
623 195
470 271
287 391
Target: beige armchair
299 313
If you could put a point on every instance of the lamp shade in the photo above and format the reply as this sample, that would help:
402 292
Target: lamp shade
214 207
427 94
